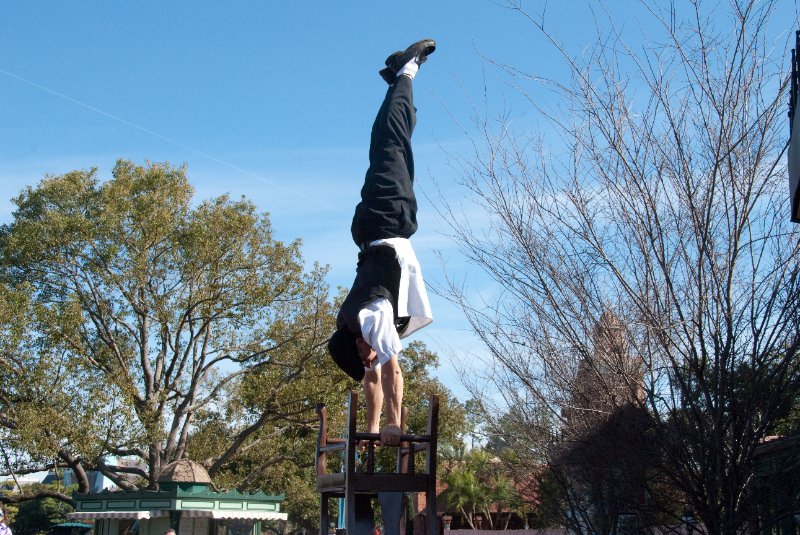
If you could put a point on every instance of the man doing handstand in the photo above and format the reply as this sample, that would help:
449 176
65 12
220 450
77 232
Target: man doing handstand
388 299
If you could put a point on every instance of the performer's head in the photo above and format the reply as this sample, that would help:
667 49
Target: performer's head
351 353
344 351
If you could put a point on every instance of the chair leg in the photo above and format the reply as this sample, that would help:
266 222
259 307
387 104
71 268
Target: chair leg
391 511
363 522
323 514
403 514
430 512
350 512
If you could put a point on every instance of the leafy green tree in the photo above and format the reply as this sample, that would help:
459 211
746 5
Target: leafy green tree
477 483
475 421
129 314
38 516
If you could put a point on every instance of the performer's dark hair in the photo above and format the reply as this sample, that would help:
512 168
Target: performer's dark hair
343 350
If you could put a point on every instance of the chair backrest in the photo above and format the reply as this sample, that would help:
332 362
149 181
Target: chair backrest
325 444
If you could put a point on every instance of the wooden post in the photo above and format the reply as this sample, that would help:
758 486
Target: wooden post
430 494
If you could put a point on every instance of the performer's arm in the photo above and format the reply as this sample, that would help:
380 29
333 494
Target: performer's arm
384 383
373 394
392 383
383 379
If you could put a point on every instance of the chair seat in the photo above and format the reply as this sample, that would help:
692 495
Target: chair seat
390 482
374 482
330 482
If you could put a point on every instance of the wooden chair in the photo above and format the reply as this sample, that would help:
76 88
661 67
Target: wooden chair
388 486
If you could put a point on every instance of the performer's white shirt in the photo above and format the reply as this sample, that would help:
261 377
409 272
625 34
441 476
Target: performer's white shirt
377 318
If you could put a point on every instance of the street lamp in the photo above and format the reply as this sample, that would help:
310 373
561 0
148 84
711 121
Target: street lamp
447 519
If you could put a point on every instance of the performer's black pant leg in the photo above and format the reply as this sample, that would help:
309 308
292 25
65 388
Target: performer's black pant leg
388 206
390 142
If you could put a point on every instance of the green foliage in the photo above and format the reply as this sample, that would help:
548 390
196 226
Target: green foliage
131 312
38 516
476 483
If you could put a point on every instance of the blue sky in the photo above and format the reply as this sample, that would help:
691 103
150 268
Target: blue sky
274 101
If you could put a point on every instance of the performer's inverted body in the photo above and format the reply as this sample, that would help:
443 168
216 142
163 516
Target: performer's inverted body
388 299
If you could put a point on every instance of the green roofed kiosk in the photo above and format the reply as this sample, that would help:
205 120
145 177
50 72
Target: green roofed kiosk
186 502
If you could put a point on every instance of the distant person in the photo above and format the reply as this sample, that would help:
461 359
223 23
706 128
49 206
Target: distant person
4 529
388 299
170 531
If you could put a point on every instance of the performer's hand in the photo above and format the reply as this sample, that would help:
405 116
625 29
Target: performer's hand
390 435
366 352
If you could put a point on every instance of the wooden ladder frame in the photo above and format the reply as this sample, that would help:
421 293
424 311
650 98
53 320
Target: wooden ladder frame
351 482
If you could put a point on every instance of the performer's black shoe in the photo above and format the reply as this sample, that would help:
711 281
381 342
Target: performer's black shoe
419 51
387 73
